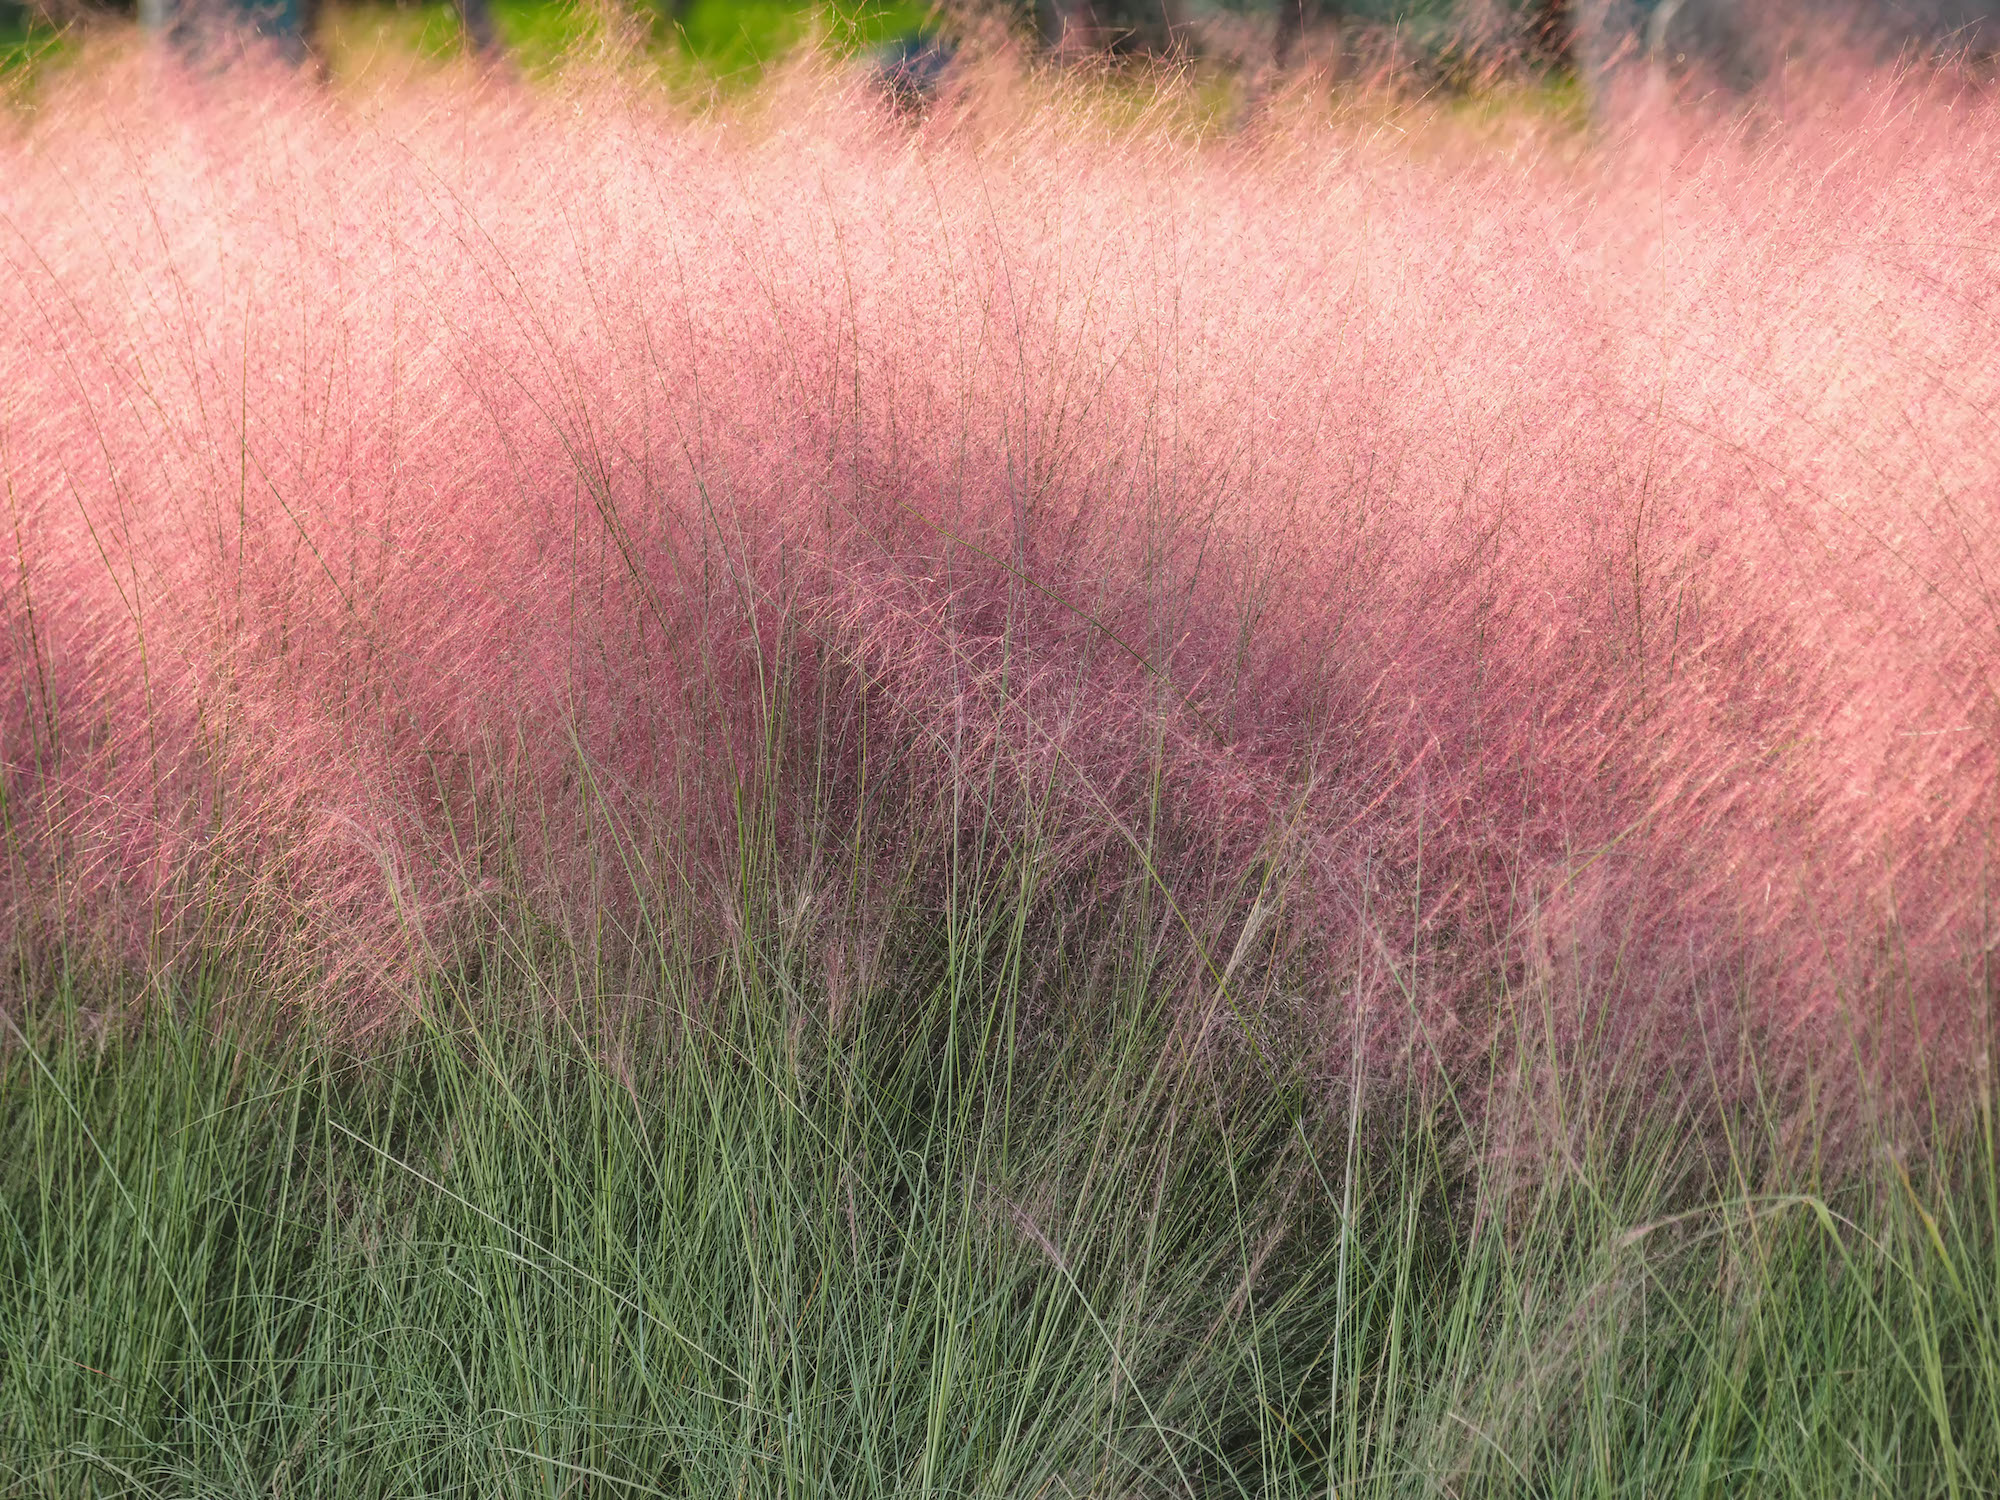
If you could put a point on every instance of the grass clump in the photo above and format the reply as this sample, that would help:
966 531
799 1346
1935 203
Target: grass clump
1018 802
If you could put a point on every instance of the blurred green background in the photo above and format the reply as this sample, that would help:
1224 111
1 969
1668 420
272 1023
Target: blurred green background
722 40
727 39
24 36
719 42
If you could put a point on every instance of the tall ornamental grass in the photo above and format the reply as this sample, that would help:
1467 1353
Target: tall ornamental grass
1560 564
1018 802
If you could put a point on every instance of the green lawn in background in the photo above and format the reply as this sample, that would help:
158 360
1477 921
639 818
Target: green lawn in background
728 42
742 36
709 40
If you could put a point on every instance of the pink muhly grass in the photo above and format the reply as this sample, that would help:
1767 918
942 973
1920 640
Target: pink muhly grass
1453 574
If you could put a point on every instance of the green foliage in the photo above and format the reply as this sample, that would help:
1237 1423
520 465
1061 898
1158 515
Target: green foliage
537 33
741 37
26 40
728 40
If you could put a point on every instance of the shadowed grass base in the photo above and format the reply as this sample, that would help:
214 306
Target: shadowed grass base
929 1250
